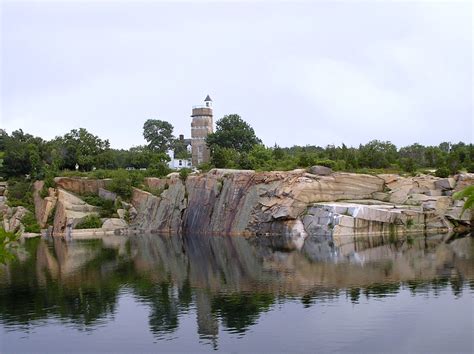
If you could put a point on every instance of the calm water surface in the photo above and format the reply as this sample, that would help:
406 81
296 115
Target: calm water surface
202 294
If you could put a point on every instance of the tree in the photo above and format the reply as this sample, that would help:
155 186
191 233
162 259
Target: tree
180 149
3 138
233 132
81 147
377 154
23 154
158 134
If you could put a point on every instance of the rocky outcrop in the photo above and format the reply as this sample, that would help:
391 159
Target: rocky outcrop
244 202
296 203
70 210
114 224
353 219
161 213
81 185
44 207
12 219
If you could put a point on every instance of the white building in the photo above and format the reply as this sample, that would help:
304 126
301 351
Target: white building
177 164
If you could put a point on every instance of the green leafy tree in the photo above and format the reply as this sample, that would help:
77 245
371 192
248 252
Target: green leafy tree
377 154
81 147
158 134
181 149
232 132
223 157
3 138
23 154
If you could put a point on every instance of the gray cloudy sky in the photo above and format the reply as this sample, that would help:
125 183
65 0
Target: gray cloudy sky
298 72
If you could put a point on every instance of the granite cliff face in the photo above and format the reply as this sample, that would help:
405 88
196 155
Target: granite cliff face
299 203
295 203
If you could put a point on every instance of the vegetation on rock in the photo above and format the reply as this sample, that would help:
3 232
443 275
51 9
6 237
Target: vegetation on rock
467 193
6 241
89 222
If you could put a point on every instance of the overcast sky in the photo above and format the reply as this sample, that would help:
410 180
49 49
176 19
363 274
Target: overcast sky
299 72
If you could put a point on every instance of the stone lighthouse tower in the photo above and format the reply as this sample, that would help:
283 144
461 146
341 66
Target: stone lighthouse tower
201 126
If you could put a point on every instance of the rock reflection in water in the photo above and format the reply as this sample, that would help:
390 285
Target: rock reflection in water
228 280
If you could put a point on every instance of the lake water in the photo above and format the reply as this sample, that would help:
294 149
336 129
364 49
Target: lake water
193 293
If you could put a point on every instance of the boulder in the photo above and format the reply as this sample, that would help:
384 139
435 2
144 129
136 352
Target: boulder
70 210
172 175
417 199
381 196
121 213
434 193
456 213
107 195
351 219
320 170
114 224
463 180
156 183
445 183
12 219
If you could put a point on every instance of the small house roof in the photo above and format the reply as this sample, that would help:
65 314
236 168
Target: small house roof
208 98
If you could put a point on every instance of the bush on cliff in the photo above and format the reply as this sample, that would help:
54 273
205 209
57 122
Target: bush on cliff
6 240
20 193
122 183
442 172
30 223
107 207
89 222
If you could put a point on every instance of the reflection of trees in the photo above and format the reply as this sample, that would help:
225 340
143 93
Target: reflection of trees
231 280
165 303
36 292
239 311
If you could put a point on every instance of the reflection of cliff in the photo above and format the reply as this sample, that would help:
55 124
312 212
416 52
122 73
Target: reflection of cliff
230 280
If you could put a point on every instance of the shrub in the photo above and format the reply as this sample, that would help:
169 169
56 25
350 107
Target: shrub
442 172
30 223
6 239
158 170
121 184
326 163
205 167
184 173
89 222
20 194
107 207
470 167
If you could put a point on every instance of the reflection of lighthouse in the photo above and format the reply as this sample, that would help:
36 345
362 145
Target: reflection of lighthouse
201 126
208 326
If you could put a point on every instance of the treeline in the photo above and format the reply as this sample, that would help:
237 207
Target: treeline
446 158
234 144
24 154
